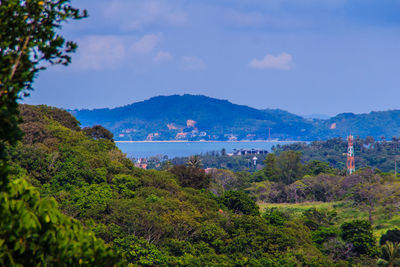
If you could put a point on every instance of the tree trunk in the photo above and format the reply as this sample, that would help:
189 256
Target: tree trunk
370 215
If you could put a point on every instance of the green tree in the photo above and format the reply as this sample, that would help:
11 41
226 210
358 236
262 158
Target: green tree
390 255
368 194
271 170
33 232
285 168
315 167
290 166
98 132
29 42
239 202
392 235
360 234
191 176
139 251
275 216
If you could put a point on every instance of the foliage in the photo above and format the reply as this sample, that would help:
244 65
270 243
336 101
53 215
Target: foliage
359 234
390 255
194 161
225 180
191 176
98 132
214 119
275 217
219 160
139 251
392 235
158 218
29 41
220 120
324 234
314 219
285 168
33 232
239 202
377 154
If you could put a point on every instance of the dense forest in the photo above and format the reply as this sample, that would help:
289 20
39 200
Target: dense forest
380 154
197 117
377 154
183 216
70 197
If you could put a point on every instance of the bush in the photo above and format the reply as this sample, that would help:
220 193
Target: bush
359 233
239 202
391 235
191 176
275 217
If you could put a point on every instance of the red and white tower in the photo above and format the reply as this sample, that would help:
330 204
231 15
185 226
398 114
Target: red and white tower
350 155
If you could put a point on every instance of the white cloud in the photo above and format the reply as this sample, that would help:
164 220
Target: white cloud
100 52
191 63
146 44
284 61
162 56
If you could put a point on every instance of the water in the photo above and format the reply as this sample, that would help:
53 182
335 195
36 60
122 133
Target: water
183 149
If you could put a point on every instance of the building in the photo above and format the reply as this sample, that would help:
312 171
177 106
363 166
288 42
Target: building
238 152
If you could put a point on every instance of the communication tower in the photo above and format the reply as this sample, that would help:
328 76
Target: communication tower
350 155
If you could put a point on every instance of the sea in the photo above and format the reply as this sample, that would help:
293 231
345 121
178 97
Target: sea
144 149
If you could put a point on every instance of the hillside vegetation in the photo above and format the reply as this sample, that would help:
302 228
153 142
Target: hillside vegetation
183 216
378 154
149 217
196 117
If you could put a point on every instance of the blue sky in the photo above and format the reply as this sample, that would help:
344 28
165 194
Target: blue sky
304 56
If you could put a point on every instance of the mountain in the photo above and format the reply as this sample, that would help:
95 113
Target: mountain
197 117
194 117
376 123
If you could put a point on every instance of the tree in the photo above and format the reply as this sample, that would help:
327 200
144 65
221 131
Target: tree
285 168
33 232
194 161
275 216
271 171
290 166
368 194
223 180
392 235
315 167
390 255
98 132
191 176
239 202
359 233
139 251
29 42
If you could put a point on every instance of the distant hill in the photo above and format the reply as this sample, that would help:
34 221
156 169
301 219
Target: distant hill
194 117
197 117
377 124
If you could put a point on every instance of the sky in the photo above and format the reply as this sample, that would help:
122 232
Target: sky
303 56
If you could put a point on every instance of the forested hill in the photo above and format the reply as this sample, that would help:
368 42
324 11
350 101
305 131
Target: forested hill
196 117
376 124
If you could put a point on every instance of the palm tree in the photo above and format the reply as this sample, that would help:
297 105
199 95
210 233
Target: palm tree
194 161
390 255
